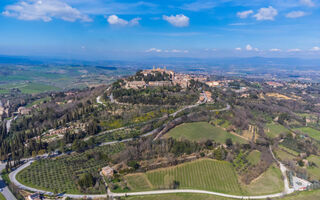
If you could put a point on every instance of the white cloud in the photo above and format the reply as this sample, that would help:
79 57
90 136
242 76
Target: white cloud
294 50
244 14
154 50
238 49
315 49
309 3
44 10
179 51
115 20
199 5
249 47
166 50
295 14
266 13
178 20
275 50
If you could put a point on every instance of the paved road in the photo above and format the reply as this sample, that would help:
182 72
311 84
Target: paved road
5 189
196 191
283 170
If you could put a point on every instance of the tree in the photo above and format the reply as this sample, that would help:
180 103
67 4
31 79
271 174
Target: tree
229 142
86 180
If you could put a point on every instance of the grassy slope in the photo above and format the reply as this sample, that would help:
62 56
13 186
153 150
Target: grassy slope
254 157
274 130
204 174
202 131
314 172
207 174
283 155
268 183
313 133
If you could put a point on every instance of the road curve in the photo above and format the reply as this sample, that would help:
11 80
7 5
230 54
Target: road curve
5 189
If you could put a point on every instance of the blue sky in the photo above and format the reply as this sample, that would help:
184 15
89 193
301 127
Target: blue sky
114 29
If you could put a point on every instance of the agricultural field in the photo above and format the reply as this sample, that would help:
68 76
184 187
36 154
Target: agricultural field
202 131
314 171
274 130
268 183
313 133
205 174
284 155
29 88
61 174
58 76
254 157
178 196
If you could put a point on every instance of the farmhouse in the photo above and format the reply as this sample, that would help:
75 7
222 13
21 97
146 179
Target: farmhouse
107 171
24 111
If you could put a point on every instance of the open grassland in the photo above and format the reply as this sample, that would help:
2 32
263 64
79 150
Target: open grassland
28 88
284 155
307 195
314 171
289 150
313 133
179 196
204 174
202 131
138 182
60 174
254 157
274 130
268 183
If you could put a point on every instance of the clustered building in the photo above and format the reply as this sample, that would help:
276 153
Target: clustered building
175 79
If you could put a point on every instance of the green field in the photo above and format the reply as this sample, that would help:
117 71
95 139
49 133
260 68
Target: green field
28 88
204 174
254 157
61 174
274 130
313 133
314 171
202 131
283 155
268 183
